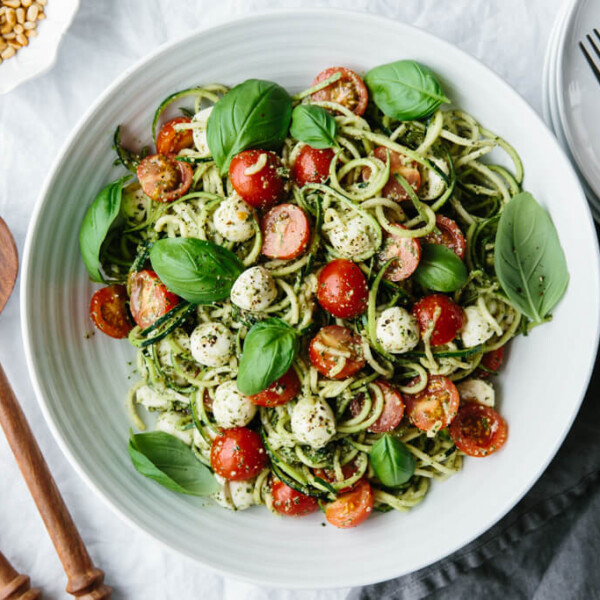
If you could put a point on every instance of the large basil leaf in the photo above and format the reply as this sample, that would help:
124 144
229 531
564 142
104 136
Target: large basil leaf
269 350
200 272
529 260
392 461
440 269
314 126
405 90
170 462
253 114
96 224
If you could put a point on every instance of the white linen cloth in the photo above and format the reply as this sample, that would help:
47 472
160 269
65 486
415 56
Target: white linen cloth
106 37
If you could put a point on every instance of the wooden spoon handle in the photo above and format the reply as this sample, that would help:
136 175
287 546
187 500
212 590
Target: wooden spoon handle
14 586
84 580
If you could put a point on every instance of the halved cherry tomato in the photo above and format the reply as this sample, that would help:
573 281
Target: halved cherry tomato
286 232
352 508
492 361
393 408
478 430
406 250
171 141
450 235
312 165
288 501
342 289
149 298
349 90
348 470
238 454
256 175
279 392
450 320
435 406
340 340
108 310
402 166
163 178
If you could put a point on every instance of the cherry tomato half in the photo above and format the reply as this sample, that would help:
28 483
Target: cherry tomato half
478 430
238 454
108 310
352 508
279 392
286 232
402 166
449 322
288 501
163 178
342 289
435 406
349 90
406 251
341 340
449 235
312 165
393 408
149 298
492 361
256 175
171 141
348 470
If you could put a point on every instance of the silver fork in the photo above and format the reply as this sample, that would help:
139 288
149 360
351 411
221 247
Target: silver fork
594 64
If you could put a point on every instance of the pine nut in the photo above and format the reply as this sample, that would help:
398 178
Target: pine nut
8 53
18 28
2 10
14 44
42 2
11 16
41 16
6 29
12 3
20 15
29 25
32 12
10 36
22 39
3 45
31 33
26 3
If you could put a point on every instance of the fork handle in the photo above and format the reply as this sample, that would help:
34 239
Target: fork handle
14 586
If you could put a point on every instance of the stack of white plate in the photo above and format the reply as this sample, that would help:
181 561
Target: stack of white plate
571 92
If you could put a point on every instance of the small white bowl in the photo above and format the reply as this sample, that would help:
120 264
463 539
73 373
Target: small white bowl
40 55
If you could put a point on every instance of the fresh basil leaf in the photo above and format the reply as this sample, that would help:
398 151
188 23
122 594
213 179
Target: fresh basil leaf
440 269
405 90
529 260
314 126
392 461
170 462
97 222
200 272
269 350
253 114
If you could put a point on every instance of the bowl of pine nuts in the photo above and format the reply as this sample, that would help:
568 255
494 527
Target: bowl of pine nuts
30 33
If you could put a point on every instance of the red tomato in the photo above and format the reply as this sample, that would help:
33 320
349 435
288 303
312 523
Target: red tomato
342 289
238 454
402 166
478 430
349 90
352 508
450 236
279 392
406 250
288 501
393 408
286 232
436 406
340 339
449 322
312 165
163 178
149 298
108 310
492 361
171 141
347 471
259 188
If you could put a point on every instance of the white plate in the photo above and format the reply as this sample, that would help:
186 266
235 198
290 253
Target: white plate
81 383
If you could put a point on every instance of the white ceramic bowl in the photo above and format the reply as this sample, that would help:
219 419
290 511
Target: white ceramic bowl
81 383
40 55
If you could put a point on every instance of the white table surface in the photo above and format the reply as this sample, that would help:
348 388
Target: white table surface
106 37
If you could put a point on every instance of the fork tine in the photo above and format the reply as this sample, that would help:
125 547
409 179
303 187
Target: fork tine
593 44
597 33
591 62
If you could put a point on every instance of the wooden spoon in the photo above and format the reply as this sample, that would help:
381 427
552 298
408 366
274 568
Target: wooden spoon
84 580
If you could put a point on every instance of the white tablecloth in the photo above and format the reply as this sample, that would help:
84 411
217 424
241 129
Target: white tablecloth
106 37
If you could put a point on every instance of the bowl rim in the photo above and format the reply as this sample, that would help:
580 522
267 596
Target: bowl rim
53 173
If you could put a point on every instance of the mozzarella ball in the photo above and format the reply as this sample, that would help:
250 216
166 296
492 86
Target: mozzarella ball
200 120
352 238
397 330
242 493
151 399
476 390
211 344
231 408
234 219
254 289
169 423
476 329
432 184
313 422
